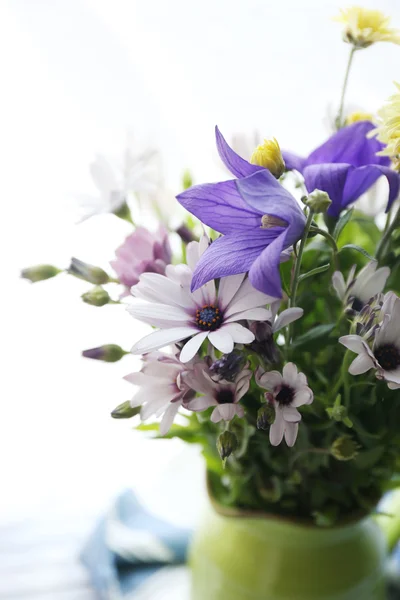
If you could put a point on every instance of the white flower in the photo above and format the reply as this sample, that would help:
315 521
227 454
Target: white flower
361 288
167 303
162 388
287 392
137 172
224 395
384 356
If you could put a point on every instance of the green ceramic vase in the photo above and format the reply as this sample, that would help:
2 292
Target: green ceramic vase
268 558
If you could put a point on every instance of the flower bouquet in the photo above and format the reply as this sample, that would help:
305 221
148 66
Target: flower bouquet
276 348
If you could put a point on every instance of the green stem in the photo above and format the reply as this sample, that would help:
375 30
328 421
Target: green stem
380 251
331 241
339 123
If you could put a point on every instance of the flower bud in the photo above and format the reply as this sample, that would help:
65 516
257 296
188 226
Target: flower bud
228 366
269 156
344 448
265 416
125 411
187 180
123 212
318 201
339 413
87 272
354 117
108 353
39 273
264 344
185 234
97 296
226 444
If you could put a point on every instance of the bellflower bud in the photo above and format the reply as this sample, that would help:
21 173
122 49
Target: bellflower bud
125 411
318 201
269 156
264 344
39 273
87 272
344 448
108 353
228 366
97 296
226 444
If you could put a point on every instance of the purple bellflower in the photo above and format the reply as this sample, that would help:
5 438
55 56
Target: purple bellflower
258 217
346 166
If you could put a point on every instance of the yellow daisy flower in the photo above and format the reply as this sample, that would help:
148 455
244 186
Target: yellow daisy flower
388 130
364 27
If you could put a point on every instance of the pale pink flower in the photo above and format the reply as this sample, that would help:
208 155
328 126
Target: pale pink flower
360 288
224 395
166 302
142 252
384 355
162 388
286 393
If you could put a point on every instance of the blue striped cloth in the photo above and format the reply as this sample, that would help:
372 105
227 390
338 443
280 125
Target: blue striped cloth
133 555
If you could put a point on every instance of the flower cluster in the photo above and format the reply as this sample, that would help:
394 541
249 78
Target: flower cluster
256 304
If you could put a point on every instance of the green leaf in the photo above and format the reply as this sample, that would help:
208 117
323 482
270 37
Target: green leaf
358 249
315 271
367 459
313 334
341 224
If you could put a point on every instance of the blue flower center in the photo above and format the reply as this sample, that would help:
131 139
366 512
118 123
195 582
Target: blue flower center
388 356
208 318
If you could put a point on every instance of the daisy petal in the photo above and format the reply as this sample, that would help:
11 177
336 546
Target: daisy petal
289 374
191 347
354 343
277 428
228 286
201 403
291 431
239 334
291 414
169 417
162 338
361 364
339 284
252 314
287 316
222 340
215 416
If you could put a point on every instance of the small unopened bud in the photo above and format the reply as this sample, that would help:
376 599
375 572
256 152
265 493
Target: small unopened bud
226 444
344 448
185 234
87 272
125 411
318 201
269 156
354 117
339 414
108 353
123 212
228 366
265 416
39 273
187 179
264 344
97 296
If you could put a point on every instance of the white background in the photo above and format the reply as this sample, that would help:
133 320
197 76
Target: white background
75 75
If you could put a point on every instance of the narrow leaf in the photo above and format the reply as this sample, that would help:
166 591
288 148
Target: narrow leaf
358 249
315 271
313 334
341 224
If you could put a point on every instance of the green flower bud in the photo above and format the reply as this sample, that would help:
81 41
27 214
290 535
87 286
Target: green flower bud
97 296
123 212
226 444
318 201
265 416
344 448
87 272
108 353
125 411
39 273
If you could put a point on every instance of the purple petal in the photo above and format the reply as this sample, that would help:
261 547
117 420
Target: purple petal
361 179
232 254
293 161
264 273
331 178
235 163
265 194
220 206
350 145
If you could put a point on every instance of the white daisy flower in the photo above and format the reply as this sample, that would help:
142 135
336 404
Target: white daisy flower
287 392
384 356
115 183
162 388
361 288
167 303
224 395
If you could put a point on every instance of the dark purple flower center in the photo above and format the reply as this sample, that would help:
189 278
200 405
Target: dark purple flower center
388 356
208 318
357 305
285 395
225 396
